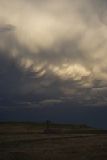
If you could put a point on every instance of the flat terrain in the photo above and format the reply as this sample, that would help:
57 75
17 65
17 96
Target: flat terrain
25 141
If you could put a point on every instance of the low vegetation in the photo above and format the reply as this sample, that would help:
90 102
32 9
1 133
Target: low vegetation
34 141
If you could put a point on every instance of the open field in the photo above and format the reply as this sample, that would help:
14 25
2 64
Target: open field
27 141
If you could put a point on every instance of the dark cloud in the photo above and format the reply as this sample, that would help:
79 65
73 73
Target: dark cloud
27 85
7 28
53 53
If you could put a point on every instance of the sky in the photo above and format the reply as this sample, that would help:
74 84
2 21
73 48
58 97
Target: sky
53 61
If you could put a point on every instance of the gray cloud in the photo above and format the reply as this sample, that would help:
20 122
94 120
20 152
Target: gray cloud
53 52
7 28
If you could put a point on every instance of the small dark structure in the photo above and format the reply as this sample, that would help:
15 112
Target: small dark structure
48 124
51 129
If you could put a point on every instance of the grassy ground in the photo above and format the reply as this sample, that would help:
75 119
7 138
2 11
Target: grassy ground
25 141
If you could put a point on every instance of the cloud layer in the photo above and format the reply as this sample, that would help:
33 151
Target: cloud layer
53 52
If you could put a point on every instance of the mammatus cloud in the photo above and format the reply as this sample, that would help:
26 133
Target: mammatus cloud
57 49
6 28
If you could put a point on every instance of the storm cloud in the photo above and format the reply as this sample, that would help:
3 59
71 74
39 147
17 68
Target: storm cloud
53 52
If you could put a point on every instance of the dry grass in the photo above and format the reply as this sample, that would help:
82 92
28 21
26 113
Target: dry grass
38 146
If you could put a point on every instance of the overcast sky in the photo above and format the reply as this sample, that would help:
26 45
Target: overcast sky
53 55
